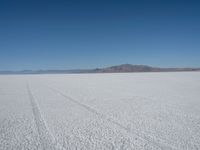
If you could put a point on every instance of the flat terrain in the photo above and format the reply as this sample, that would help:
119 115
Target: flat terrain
100 111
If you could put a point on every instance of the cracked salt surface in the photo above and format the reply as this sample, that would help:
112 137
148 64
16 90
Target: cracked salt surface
100 111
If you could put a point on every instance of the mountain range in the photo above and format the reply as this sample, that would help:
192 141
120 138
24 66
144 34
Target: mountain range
113 69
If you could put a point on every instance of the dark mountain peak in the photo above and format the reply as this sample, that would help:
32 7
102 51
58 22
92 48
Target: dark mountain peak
140 68
127 68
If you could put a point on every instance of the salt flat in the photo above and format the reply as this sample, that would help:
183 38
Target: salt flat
100 111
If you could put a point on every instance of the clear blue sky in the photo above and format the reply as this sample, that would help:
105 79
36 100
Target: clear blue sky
59 34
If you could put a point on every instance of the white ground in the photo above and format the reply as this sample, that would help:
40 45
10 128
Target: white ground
100 111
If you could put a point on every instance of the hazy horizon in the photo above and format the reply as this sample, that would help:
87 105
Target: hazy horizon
104 67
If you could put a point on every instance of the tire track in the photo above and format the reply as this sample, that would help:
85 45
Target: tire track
47 140
128 130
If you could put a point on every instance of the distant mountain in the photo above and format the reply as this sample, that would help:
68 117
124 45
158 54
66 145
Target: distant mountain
127 68
112 69
140 68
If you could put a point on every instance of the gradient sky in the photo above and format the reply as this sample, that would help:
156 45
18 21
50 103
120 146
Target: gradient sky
62 34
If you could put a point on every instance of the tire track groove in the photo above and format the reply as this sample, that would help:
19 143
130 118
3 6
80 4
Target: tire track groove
128 130
47 140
